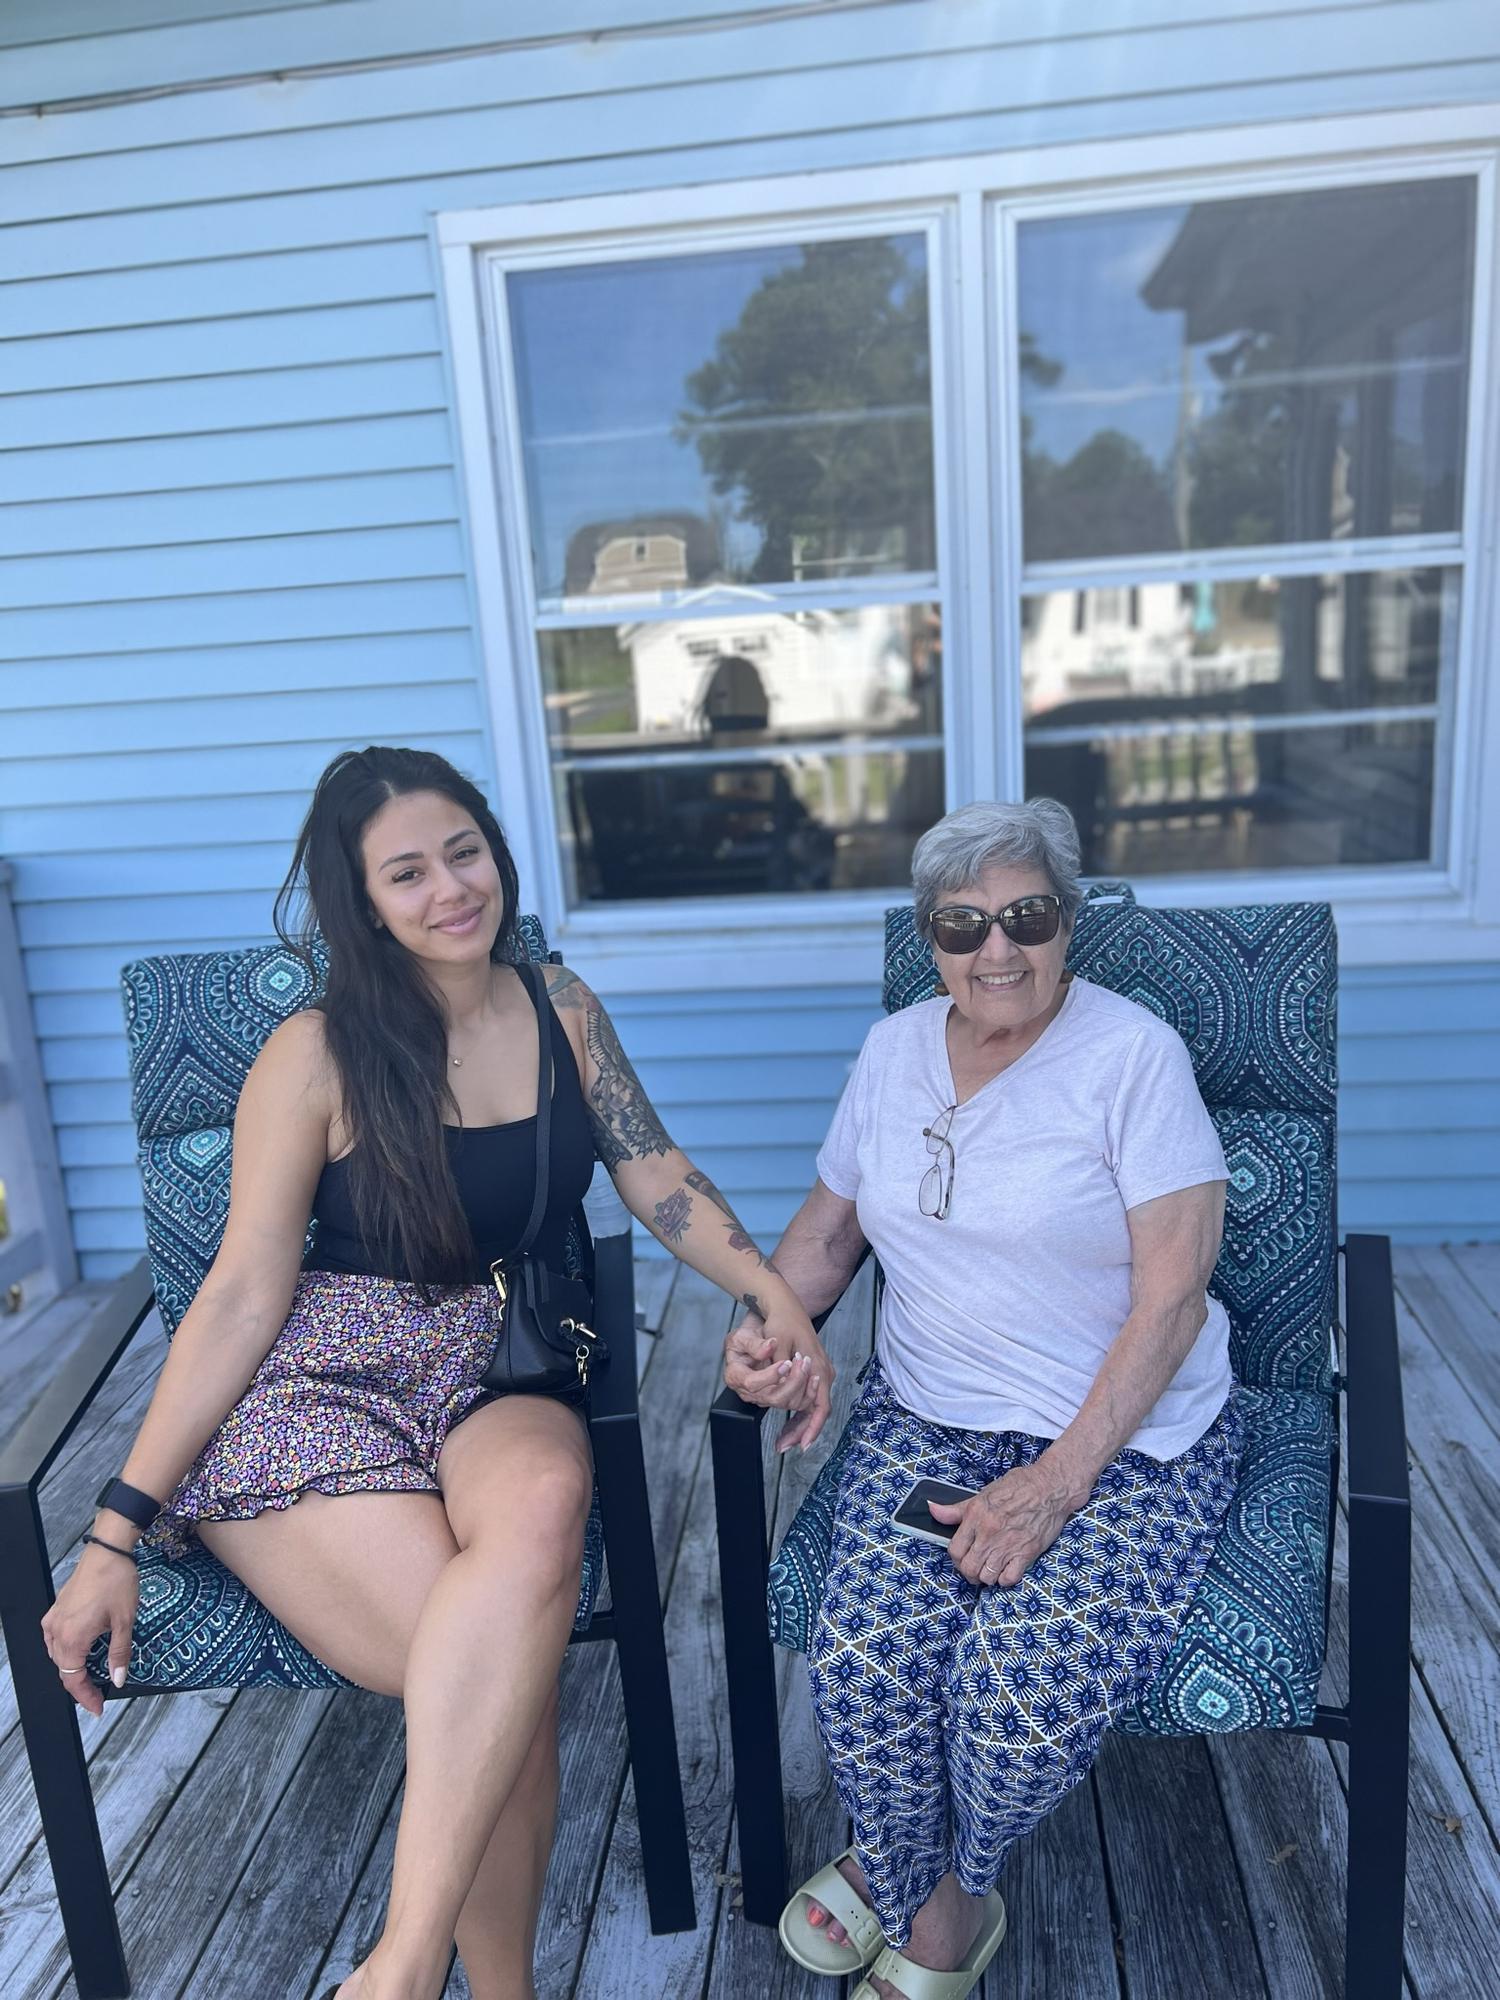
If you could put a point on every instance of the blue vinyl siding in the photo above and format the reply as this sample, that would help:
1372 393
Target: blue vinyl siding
230 515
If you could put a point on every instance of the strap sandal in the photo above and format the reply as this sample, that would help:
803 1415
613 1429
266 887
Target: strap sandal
810 1943
920 1982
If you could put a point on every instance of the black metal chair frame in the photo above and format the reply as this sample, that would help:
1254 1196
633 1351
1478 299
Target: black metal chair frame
49 1716
1374 1722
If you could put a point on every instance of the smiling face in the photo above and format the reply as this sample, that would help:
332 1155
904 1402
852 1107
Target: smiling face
432 880
1002 986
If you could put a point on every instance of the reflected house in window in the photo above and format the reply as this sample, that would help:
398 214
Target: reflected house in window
788 674
650 553
749 724
1275 371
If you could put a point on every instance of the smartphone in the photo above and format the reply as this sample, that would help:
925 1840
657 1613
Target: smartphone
913 1516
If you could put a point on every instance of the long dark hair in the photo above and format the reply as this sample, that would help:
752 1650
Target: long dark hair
385 1027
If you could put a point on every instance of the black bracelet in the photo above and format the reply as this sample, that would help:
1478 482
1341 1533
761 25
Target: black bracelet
114 1547
130 1502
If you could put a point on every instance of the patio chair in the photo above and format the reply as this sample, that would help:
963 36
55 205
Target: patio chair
194 1026
1252 992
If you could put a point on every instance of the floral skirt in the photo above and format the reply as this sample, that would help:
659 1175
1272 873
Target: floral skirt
357 1395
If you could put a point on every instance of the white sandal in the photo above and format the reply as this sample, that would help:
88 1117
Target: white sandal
920 1982
810 1943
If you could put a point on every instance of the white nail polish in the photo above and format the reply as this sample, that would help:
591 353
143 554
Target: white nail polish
117 1675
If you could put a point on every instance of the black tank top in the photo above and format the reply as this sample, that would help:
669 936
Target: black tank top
494 1169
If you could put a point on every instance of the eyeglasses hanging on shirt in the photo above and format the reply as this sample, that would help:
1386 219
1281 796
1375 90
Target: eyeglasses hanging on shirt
936 1190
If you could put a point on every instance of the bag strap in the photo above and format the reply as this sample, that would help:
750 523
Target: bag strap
534 980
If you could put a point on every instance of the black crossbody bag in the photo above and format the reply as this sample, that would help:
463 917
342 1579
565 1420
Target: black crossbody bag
545 1345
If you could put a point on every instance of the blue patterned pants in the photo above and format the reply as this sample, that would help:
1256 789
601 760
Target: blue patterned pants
954 1717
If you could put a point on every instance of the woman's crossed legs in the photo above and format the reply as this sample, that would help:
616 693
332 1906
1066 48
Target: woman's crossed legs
462 1604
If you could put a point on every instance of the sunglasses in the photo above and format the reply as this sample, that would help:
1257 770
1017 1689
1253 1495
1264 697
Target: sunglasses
1031 920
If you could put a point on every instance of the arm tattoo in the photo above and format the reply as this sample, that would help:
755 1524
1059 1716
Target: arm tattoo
567 990
672 1215
625 1126
749 1299
738 1240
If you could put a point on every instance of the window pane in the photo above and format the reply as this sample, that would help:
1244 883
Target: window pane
1284 368
1285 722
757 415
762 754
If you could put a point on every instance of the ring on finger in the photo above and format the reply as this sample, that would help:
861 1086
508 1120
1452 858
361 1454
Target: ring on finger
68 1672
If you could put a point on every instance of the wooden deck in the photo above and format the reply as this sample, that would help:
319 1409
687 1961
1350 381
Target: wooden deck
249 1836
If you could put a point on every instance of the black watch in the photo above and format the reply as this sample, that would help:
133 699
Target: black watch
137 1507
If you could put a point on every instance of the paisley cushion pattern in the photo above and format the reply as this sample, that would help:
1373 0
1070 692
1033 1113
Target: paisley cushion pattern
194 1025
1276 1271
1250 1653
1253 994
199 1627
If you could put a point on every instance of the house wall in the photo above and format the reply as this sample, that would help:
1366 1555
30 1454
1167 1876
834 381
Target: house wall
228 485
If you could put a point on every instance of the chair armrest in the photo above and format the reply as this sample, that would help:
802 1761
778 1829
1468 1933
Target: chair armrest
612 1384
1372 1371
45 1429
728 1404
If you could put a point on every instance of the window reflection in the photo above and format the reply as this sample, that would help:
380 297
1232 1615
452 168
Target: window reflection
1268 723
1282 368
767 751
760 415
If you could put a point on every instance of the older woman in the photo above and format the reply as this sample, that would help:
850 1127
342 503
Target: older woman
1030 1159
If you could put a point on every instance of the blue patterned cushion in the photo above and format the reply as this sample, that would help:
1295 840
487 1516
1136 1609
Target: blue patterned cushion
194 1025
195 1022
199 1627
1253 993
1250 1652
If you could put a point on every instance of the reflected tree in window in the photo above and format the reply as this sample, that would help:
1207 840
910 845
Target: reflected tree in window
813 414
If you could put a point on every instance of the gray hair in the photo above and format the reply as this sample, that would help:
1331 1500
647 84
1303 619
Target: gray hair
1039 834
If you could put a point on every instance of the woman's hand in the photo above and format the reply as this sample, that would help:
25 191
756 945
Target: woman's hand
1009 1523
781 1367
100 1596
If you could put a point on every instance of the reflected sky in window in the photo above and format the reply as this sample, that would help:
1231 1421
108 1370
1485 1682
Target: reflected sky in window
767 406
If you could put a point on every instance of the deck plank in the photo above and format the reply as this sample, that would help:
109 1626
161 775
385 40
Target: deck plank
1461 1329
1197 1832
1287 1819
138 1769
620 1955
1184 1924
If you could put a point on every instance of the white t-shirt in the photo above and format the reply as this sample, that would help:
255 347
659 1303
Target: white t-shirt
998 1317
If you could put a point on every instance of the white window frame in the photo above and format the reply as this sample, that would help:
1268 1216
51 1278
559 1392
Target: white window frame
971 207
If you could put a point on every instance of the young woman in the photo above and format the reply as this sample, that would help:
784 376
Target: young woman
319 1422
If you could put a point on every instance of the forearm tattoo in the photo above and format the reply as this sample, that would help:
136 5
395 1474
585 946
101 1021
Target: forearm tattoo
671 1217
738 1239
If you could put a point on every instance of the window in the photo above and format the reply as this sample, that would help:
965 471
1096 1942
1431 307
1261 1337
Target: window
826 503
733 596
1242 431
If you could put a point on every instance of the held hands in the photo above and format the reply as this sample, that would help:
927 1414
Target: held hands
1008 1524
100 1596
779 1364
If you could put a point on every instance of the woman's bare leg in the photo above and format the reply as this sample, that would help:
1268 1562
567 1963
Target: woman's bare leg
465 1606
